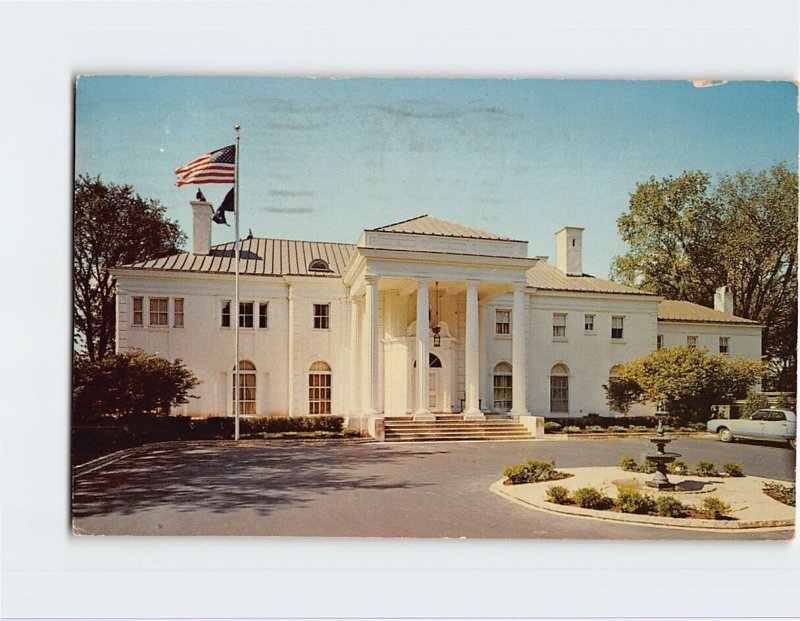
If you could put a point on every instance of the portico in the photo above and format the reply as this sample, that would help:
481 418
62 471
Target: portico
421 295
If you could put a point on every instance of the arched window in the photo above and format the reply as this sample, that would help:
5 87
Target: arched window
502 387
433 362
247 387
319 388
559 388
318 265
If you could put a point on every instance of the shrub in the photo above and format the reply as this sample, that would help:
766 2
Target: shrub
667 506
733 469
532 471
595 428
571 429
647 467
630 500
591 498
558 494
714 508
755 401
617 429
678 467
787 494
637 428
629 464
705 468
551 426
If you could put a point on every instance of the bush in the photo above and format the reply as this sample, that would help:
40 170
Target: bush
629 464
630 500
595 429
591 498
571 429
667 506
647 467
637 428
705 468
551 426
782 493
678 467
755 401
714 508
733 469
532 471
617 429
558 494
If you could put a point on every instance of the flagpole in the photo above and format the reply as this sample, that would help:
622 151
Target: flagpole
236 399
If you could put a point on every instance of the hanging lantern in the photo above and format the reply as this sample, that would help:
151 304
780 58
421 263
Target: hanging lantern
437 338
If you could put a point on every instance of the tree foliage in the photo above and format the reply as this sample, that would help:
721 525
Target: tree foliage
112 226
687 237
686 379
130 383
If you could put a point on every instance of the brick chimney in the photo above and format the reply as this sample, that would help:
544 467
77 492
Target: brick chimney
723 299
201 227
569 254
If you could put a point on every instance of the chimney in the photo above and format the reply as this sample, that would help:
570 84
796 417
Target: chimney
723 299
568 251
201 229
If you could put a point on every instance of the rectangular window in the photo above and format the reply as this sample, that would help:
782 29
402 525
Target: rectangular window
660 341
559 394
177 312
559 325
159 313
138 311
691 341
588 323
262 314
502 392
225 316
245 314
617 327
724 345
322 314
502 321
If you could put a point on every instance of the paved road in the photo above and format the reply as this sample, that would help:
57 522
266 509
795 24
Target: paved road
371 490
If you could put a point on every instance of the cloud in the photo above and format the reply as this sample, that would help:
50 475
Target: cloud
420 109
291 192
708 83
295 126
288 209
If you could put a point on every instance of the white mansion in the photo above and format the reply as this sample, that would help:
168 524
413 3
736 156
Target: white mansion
418 318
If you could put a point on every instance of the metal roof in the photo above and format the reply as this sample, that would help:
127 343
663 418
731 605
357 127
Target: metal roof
428 225
675 310
260 256
548 277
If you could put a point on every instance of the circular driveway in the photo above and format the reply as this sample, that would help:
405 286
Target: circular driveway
436 489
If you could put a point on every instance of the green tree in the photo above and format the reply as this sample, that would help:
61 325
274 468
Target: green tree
687 237
112 226
686 379
130 383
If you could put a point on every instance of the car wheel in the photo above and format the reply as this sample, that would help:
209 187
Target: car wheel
725 435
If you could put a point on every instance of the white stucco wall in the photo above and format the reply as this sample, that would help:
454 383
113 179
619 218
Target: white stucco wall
742 340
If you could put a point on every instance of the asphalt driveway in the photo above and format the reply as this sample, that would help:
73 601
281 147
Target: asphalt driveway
371 490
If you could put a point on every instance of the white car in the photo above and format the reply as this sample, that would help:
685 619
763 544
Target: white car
778 425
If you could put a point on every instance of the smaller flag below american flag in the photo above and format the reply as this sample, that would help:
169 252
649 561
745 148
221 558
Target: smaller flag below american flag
215 167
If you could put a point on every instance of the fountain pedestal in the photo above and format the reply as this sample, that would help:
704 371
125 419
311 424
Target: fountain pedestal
660 458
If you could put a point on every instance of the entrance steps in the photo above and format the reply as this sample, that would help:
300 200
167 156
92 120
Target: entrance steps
453 427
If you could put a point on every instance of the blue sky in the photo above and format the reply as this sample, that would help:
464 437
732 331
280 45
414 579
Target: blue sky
323 159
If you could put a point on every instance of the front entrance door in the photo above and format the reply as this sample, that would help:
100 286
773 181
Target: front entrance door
433 390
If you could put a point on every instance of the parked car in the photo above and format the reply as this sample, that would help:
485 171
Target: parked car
778 425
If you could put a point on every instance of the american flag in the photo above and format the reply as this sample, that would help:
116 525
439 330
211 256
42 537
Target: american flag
215 167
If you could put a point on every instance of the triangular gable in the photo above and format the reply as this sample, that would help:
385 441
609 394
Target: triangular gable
428 225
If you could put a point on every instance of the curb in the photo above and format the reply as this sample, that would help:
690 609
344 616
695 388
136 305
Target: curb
639 435
641 520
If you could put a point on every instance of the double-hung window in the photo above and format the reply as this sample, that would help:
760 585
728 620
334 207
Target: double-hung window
138 311
502 321
159 311
245 314
660 341
588 323
322 315
724 345
177 312
559 326
617 327
262 315
225 314
691 341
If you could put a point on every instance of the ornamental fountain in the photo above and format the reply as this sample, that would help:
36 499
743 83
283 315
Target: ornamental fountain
659 457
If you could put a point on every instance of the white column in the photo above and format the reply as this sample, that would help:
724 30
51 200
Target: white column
472 356
373 342
423 329
519 341
290 352
354 401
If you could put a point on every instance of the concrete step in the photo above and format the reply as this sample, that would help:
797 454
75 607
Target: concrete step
454 428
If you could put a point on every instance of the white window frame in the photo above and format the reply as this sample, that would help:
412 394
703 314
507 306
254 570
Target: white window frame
621 327
659 342
502 328
321 321
247 390
178 316
320 389
588 323
691 340
502 386
160 313
263 313
245 314
559 326
225 317
140 311
727 340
